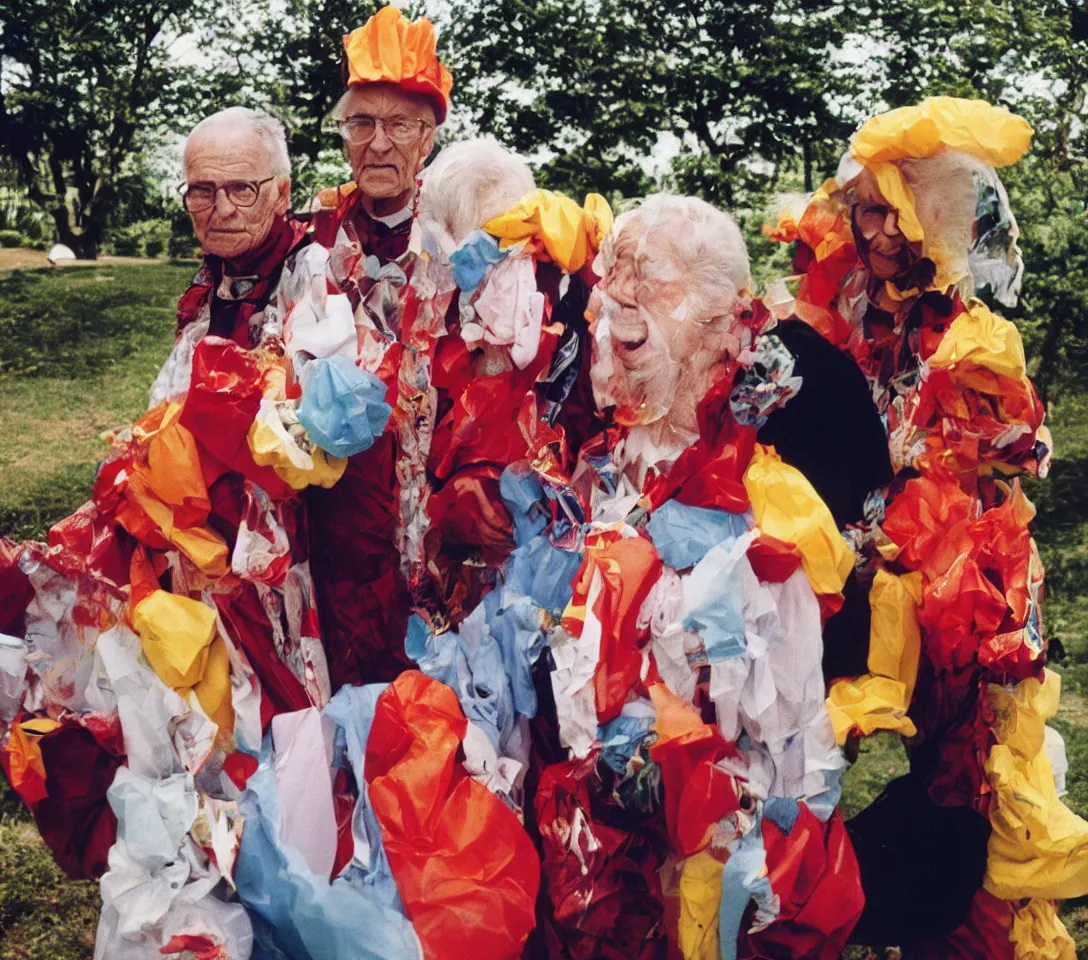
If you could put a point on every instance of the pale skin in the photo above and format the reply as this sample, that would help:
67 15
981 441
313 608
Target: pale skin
385 172
669 368
219 155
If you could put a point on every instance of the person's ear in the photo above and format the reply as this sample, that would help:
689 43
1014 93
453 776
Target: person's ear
425 148
283 195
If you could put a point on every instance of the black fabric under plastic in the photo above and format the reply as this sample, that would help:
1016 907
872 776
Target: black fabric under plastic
921 864
831 430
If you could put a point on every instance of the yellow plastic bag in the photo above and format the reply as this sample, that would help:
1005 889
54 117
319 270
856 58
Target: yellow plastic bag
786 506
982 340
700 898
879 699
895 639
992 134
1038 934
176 633
1038 846
869 704
570 234
275 448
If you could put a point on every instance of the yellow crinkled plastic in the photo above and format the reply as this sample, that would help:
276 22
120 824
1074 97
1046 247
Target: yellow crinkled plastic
785 506
700 898
992 134
981 339
895 639
869 704
570 234
879 699
1038 934
181 643
175 633
275 448
1038 847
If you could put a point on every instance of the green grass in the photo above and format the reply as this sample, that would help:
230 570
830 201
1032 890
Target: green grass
78 351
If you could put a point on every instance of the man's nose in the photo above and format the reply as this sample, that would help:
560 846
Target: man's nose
891 223
381 142
223 205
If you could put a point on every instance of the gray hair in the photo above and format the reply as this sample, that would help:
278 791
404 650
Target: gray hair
685 238
267 128
469 183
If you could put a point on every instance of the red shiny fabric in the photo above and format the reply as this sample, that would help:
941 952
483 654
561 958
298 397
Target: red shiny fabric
773 560
363 601
698 793
248 626
815 874
464 866
629 567
70 808
710 473
15 589
223 399
601 896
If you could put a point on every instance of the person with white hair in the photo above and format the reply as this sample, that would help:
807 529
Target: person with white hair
961 856
469 183
651 651
237 191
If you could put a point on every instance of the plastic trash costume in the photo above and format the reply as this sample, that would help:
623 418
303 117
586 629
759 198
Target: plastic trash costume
649 672
956 662
176 711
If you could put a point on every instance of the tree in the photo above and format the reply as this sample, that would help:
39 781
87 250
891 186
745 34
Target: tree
745 85
84 85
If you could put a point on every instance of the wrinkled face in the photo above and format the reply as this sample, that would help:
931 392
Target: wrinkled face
655 353
383 169
222 156
881 245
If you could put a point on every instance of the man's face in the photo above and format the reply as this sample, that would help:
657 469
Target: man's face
882 246
220 156
651 357
384 169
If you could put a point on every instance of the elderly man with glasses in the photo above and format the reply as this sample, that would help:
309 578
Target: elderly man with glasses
237 191
353 278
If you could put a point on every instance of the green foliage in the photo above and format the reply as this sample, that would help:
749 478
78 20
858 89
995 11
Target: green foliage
144 238
85 84
11 238
746 87
97 321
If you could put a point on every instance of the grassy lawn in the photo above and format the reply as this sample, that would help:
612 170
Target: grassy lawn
79 348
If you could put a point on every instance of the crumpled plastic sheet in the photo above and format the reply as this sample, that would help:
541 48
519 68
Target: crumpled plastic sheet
470 262
465 868
509 311
1039 847
683 534
305 915
813 872
786 507
343 407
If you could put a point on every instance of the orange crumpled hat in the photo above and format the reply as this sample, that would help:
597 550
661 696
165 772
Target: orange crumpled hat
389 48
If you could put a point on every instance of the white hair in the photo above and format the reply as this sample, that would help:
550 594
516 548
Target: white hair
267 128
946 190
469 183
685 238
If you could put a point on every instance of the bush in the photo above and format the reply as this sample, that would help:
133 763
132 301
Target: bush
144 238
11 238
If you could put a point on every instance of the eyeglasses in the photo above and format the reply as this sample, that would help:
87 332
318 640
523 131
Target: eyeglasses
871 218
403 131
201 195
